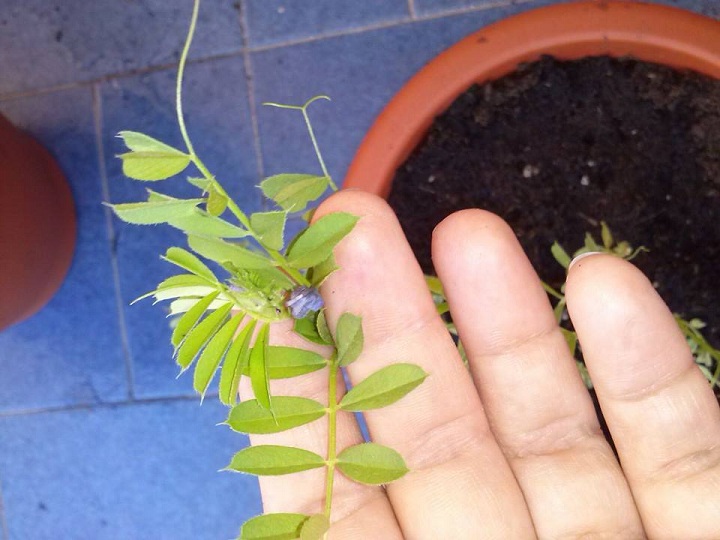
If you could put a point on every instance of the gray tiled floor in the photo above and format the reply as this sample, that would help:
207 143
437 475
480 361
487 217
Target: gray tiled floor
97 438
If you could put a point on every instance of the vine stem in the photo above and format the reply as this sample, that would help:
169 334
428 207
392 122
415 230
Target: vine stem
332 434
234 208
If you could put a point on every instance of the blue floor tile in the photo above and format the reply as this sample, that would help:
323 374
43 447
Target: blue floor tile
367 69
140 472
218 120
49 43
70 352
279 21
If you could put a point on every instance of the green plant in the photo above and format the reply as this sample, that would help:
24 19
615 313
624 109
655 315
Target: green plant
223 323
706 356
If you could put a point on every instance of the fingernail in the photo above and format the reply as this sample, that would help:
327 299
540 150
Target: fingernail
582 256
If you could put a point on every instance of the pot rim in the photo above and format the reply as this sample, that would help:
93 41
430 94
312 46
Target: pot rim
653 33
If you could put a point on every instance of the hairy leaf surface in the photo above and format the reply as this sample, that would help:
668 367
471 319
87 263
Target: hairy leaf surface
258 368
371 463
288 412
273 527
272 460
191 317
316 243
236 361
212 355
270 226
315 527
187 261
349 338
199 336
383 387
223 252
292 192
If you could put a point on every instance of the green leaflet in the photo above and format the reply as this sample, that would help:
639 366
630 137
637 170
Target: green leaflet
180 281
271 460
153 213
150 159
570 338
235 362
288 412
348 338
258 369
273 527
200 183
383 387
292 192
217 202
212 355
307 328
315 527
320 272
560 255
288 362
270 227
203 224
223 252
316 243
191 317
371 463
322 328
199 336
198 221
187 261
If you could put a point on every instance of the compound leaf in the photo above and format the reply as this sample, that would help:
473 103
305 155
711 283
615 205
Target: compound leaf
316 243
383 387
288 412
371 463
272 460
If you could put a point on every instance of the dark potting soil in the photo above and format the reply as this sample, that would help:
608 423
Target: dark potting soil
556 147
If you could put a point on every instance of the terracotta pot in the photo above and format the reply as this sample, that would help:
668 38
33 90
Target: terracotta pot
37 225
652 33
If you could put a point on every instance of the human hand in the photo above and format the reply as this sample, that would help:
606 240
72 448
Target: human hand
513 449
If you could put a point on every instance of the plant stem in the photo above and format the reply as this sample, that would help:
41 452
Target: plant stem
332 434
311 132
234 208
180 75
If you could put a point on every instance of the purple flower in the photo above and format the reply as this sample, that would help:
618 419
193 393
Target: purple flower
302 300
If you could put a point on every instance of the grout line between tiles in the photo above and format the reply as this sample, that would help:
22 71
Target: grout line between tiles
98 119
252 103
260 48
105 405
4 534
390 24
